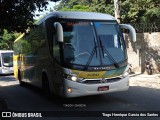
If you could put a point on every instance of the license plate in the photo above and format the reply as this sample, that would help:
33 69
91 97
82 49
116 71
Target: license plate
103 88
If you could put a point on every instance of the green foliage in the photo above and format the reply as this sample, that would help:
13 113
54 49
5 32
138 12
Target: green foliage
131 11
77 8
140 10
102 6
7 40
30 42
73 5
17 15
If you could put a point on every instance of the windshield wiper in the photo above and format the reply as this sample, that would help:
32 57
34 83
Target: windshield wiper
91 56
104 50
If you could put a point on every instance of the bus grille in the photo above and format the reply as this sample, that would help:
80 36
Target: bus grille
98 81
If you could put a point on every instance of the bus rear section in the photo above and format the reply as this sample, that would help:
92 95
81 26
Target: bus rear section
6 62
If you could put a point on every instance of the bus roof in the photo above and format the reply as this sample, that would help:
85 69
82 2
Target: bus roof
78 15
74 15
6 51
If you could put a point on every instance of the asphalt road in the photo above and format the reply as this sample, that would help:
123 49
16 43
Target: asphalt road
30 99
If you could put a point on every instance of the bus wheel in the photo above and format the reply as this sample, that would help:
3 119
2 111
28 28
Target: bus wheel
45 86
20 79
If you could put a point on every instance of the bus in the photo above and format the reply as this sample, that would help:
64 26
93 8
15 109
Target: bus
73 54
6 62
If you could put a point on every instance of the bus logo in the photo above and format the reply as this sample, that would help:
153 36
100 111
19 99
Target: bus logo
103 80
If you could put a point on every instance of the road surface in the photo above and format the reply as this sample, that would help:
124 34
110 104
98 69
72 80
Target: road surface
30 99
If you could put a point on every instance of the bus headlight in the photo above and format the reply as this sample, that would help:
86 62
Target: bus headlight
69 90
74 78
71 77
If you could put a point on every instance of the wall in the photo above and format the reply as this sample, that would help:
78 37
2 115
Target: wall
146 47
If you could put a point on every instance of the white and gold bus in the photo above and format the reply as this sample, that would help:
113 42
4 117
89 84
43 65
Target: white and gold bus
74 54
6 62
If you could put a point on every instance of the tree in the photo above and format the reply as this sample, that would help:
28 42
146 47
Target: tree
77 8
73 5
17 15
7 40
131 11
140 10
103 6
153 13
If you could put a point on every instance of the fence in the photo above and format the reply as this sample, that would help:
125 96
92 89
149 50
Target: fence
146 27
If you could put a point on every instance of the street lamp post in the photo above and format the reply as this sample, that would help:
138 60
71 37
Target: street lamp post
116 10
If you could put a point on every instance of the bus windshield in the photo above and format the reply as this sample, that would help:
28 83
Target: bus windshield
92 43
7 59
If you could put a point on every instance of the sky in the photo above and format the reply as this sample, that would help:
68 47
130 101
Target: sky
49 6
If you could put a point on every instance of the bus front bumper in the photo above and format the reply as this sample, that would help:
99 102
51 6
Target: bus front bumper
75 89
7 70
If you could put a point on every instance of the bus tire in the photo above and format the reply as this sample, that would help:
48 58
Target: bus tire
45 86
20 79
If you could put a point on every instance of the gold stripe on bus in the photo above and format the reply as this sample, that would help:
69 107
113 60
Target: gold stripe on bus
89 75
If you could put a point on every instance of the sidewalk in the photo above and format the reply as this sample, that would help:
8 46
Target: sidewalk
144 80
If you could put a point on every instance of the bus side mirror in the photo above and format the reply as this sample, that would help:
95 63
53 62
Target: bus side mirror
59 31
132 32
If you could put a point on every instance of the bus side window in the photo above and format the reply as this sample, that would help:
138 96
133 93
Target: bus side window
56 49
68 53
50 34
0 62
